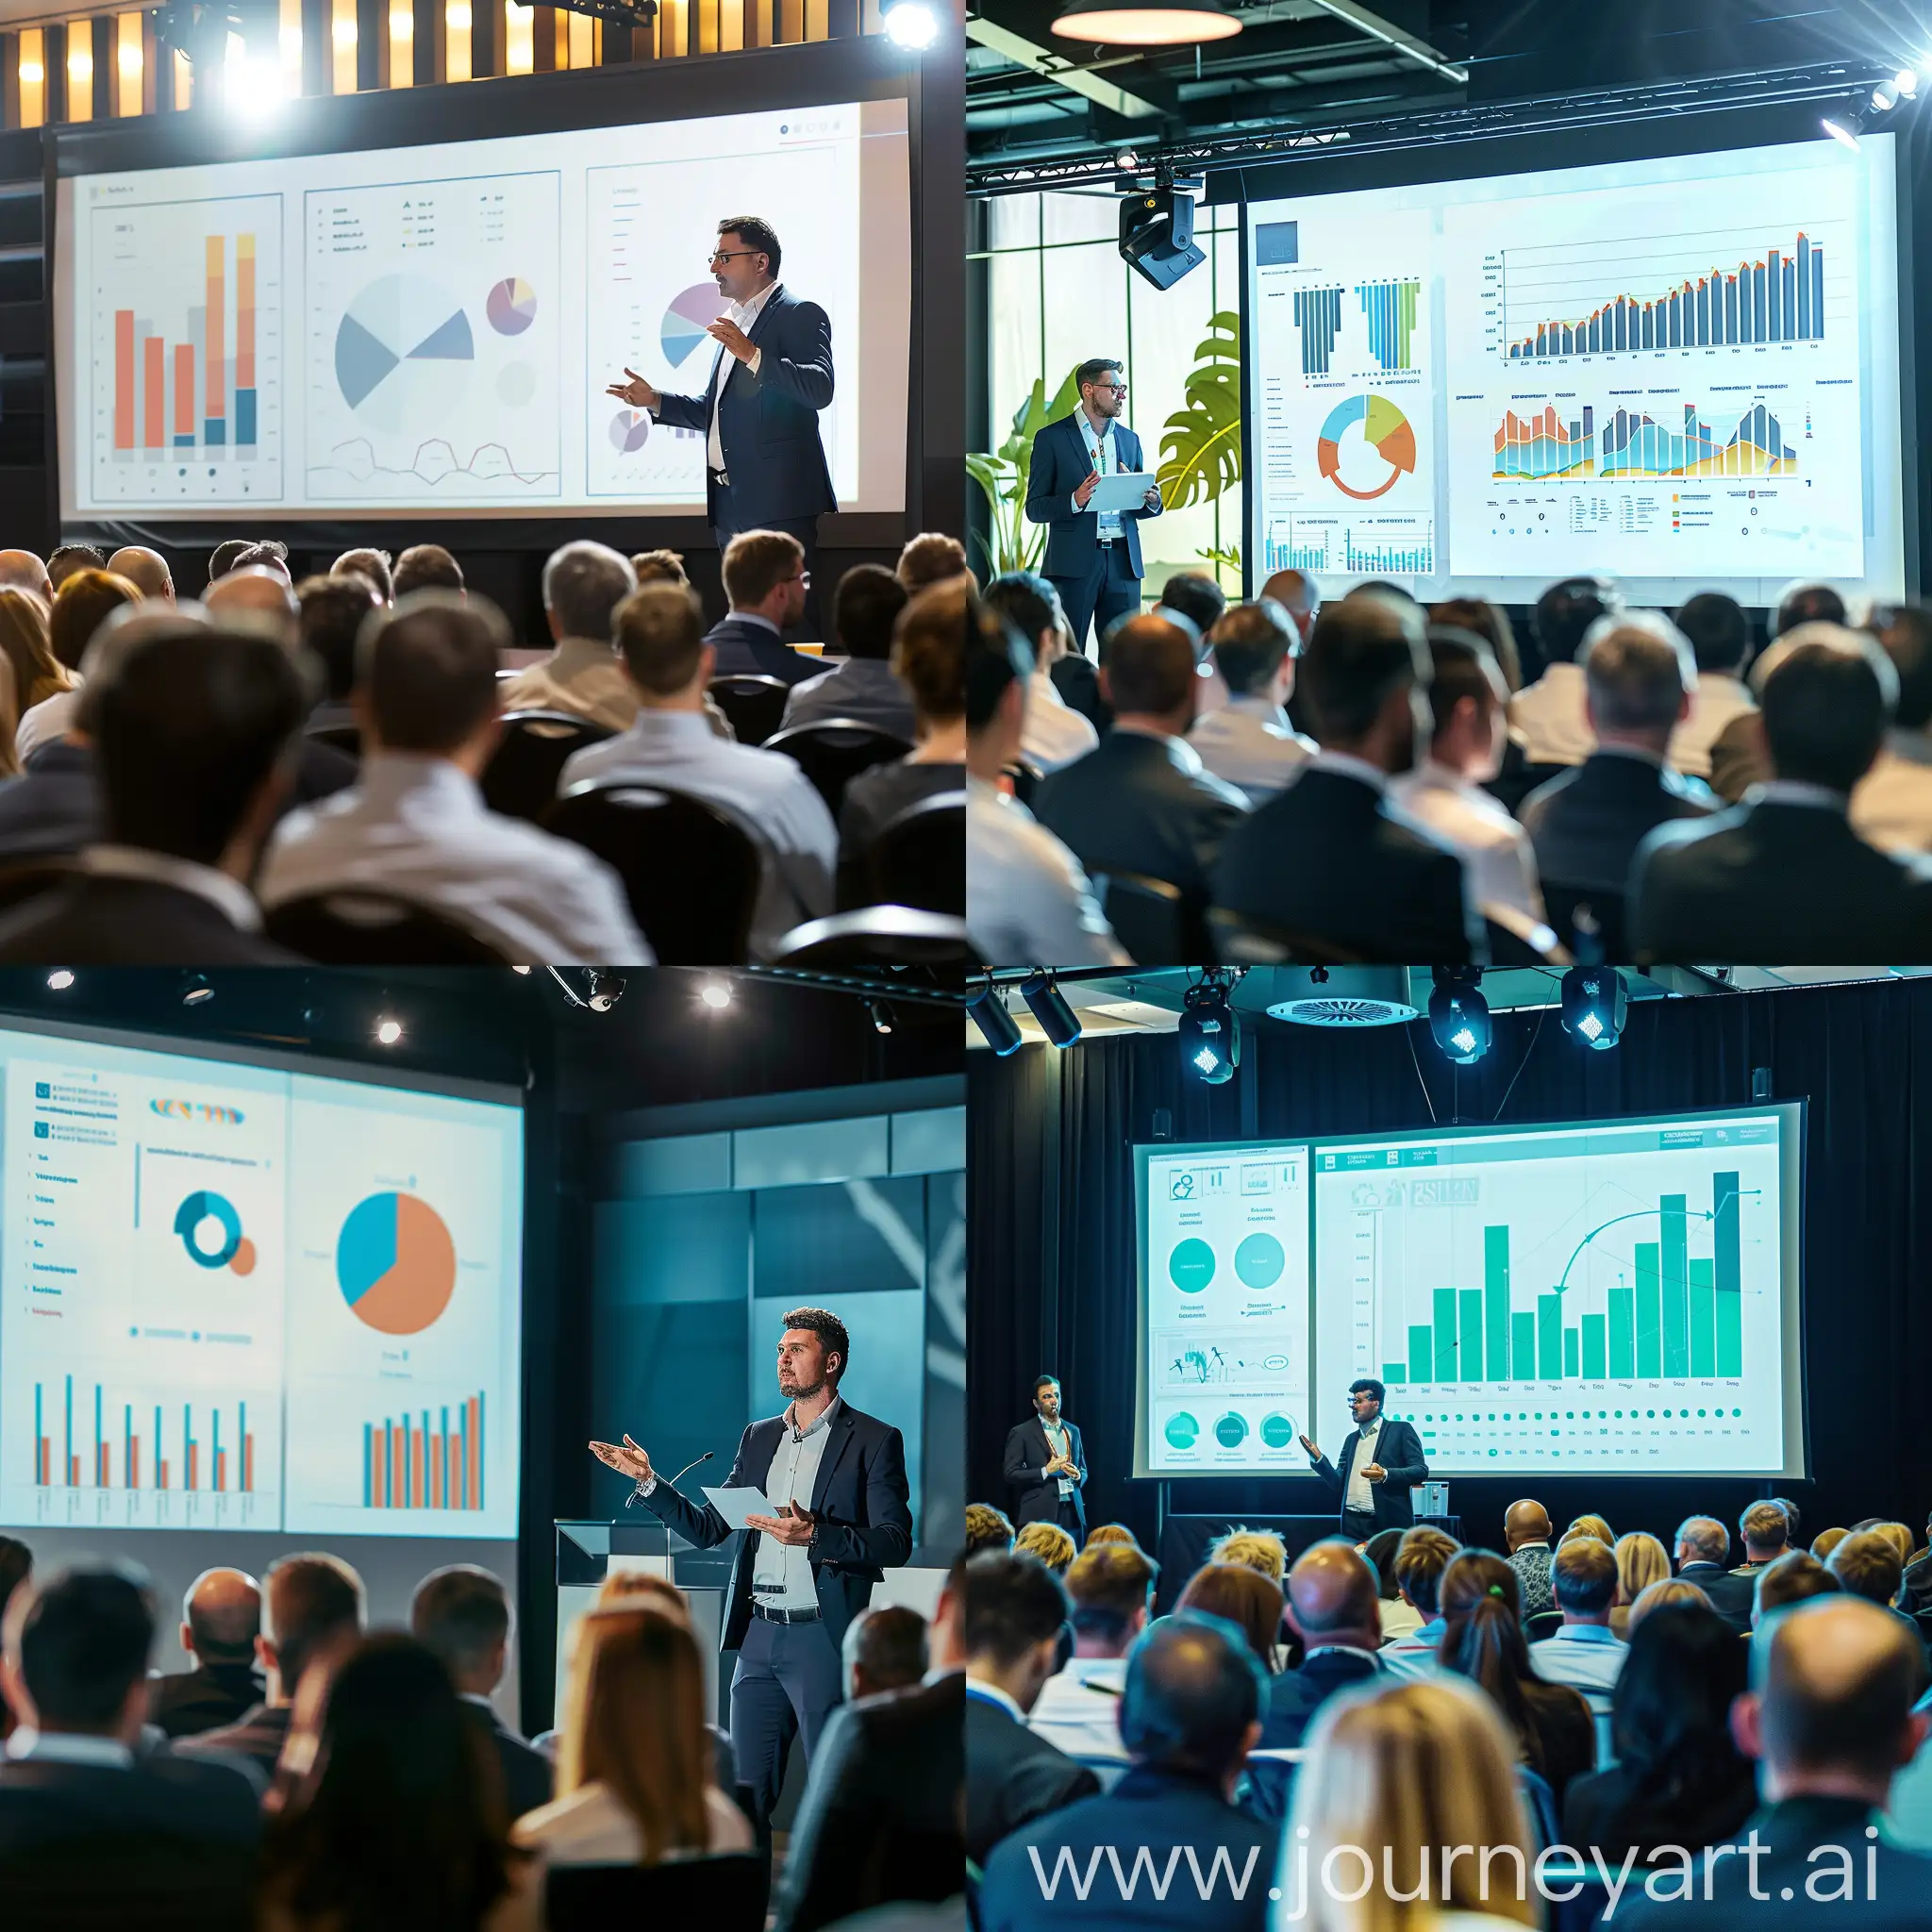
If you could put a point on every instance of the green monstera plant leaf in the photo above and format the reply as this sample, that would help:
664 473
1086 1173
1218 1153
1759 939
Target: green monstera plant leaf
1002 477
1201 449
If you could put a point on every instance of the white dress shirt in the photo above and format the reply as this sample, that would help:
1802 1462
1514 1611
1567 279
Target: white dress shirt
1060 1443
763 791
43 723
1548 719
781 1577
1249 742
1102 452
1717 700
1027 901
745 314
1078 1710
1055 734
1892 804
1361 1491
417 826
1498 861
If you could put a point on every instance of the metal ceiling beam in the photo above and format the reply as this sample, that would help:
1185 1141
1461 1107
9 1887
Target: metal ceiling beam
1055 67
1412 45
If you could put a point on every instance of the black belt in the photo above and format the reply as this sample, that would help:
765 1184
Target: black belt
777 1616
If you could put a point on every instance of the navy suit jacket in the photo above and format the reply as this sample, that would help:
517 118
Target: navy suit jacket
1399 1450
1036 1497
743 649
1061 465
1295 1696
768 424
860 1498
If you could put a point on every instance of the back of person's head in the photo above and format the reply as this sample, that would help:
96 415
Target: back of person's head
26 642
426 567
314 1602
257 598
885 1649
1111 1533
929 559
865 607
333 611
1194 1691
1048 1543
998 659
1246 1598
1590 1525
1014 1603
1791 1579
1253 1549
757 562
639 1590
1462 670
65 559
660 637
221 557
426 671
81 1643
1250 642
1808 604
1583 1577
146 570
1490 622
1027 602
1380 1552
372 564
1835 1681
1420 1557
1149 668
462 1613
1332 1592
1670 1710
1109 1584
1827 1541
1719 632
1391 1774
1791 1517
1827 707
583 585
1482 1640
223 1611
1642 1560
1703 1540
1905 631
659 567
1665 1593
1360 652
188 725
1196 596
928 651
269 556
400 1818
1637 670
1566 612
1867 1564
1763 1527
81 605
986 1528
1899 1537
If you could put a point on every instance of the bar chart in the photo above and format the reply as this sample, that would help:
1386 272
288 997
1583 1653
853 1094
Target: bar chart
1636 444
1544 444
1401 545
426 1460
1389 308
1318 316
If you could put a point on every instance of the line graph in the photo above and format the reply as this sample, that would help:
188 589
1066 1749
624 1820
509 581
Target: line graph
487 462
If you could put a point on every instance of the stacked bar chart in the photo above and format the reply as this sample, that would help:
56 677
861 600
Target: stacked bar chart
1318 315
1389 310
426 1460
1387 546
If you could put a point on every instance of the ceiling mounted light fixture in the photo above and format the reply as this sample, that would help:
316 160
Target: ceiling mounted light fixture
1147 22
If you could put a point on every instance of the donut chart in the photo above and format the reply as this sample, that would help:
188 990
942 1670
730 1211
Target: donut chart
1231 1431
395 1263
1382 427
211 1230
1182 1430
1277 1430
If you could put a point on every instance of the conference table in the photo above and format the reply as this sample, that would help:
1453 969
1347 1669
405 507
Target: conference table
1184 1542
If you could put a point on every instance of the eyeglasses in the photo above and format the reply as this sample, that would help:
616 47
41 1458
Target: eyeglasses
725 253
1119 388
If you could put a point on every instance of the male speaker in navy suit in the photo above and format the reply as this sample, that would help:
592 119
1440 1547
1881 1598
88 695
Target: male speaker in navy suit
764 464
804 1573
1381 1461
1045 1466
1092 559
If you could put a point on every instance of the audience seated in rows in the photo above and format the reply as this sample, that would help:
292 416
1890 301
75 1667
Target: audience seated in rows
1112 1588
426 567
1248 742
583 585
765 584
221 1619
931 557
1054 733
864 688
1550 717
1719 635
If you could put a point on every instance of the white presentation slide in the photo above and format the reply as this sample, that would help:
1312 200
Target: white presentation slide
1683 373
433 330
238 1297
1615 1298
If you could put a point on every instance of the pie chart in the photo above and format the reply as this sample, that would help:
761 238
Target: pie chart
1259 1261
1192 1266
211 1230
399 323
1370 438
692 312
395 1263
1181 1430
630 429
511 305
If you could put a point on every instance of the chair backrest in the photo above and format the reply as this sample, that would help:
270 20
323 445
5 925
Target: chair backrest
30 877
879 936
756 705
344 738
690 871
521 779
722 1894
1541 1624
919 856
1150 919
363 928
834 751
1240 941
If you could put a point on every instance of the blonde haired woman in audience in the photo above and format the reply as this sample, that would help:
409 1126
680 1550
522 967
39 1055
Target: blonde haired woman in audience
1898 1536
1050 1543
1590 1525
31 670
1653 1596
1827 1541
1253 1549
1391 1777
634 1764
639 1590
1111 1533
1642 1560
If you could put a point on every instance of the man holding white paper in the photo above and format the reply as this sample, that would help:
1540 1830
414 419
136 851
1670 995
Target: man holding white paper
1076 488
835 1481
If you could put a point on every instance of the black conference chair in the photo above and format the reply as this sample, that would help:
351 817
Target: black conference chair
342 738
1240 941
521 778
833 752
354 927
1152 919
723 1894
691 872
29 879
1541 1624
756 705
876 937
919 856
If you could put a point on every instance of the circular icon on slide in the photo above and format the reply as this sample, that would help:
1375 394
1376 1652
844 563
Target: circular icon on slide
630 429
1369 437
1277 1431
1181 1430
211 1230
511 305
1259 1261
1192 1266
1231 1431
395 1263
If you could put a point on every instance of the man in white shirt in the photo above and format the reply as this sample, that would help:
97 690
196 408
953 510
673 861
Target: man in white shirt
414 823
1248 742
660 635
1548 718
1720 639
1586 1653
1892 803
1079 1707
1467 697
1054 733
583 585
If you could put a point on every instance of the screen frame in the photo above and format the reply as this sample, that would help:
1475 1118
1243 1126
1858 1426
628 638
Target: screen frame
1793 1144
1490 157
820 73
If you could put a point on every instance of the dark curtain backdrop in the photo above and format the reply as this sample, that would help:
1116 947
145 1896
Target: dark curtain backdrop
1051 1224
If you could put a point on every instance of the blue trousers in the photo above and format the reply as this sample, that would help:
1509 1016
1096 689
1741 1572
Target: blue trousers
1109 589
786 1685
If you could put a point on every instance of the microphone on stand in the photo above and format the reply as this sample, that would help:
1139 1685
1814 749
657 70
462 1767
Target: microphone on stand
636 1490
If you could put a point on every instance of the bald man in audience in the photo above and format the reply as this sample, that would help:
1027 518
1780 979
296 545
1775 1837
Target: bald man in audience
253 597
1703 1546
221 1618
146 570
1334 1605
1528 1529
21 570
1298 595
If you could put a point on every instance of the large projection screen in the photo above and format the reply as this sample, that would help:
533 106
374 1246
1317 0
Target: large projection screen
430 331
1600 1298
1682 371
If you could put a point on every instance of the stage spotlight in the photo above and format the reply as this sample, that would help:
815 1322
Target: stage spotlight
912 25
1211 1032
1460 1016
387 1030
1883 97
1048 1005
1158 236
997 1026
715 995
881 1015
59 979
195 990
606 988
1842 132
1127 161
1595 1003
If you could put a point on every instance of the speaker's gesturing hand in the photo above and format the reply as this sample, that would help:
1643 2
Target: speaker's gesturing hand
1314 1453
795 1526
637 392
625 1458
1083 496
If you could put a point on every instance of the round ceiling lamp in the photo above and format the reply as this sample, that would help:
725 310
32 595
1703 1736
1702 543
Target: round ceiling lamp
1147 22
